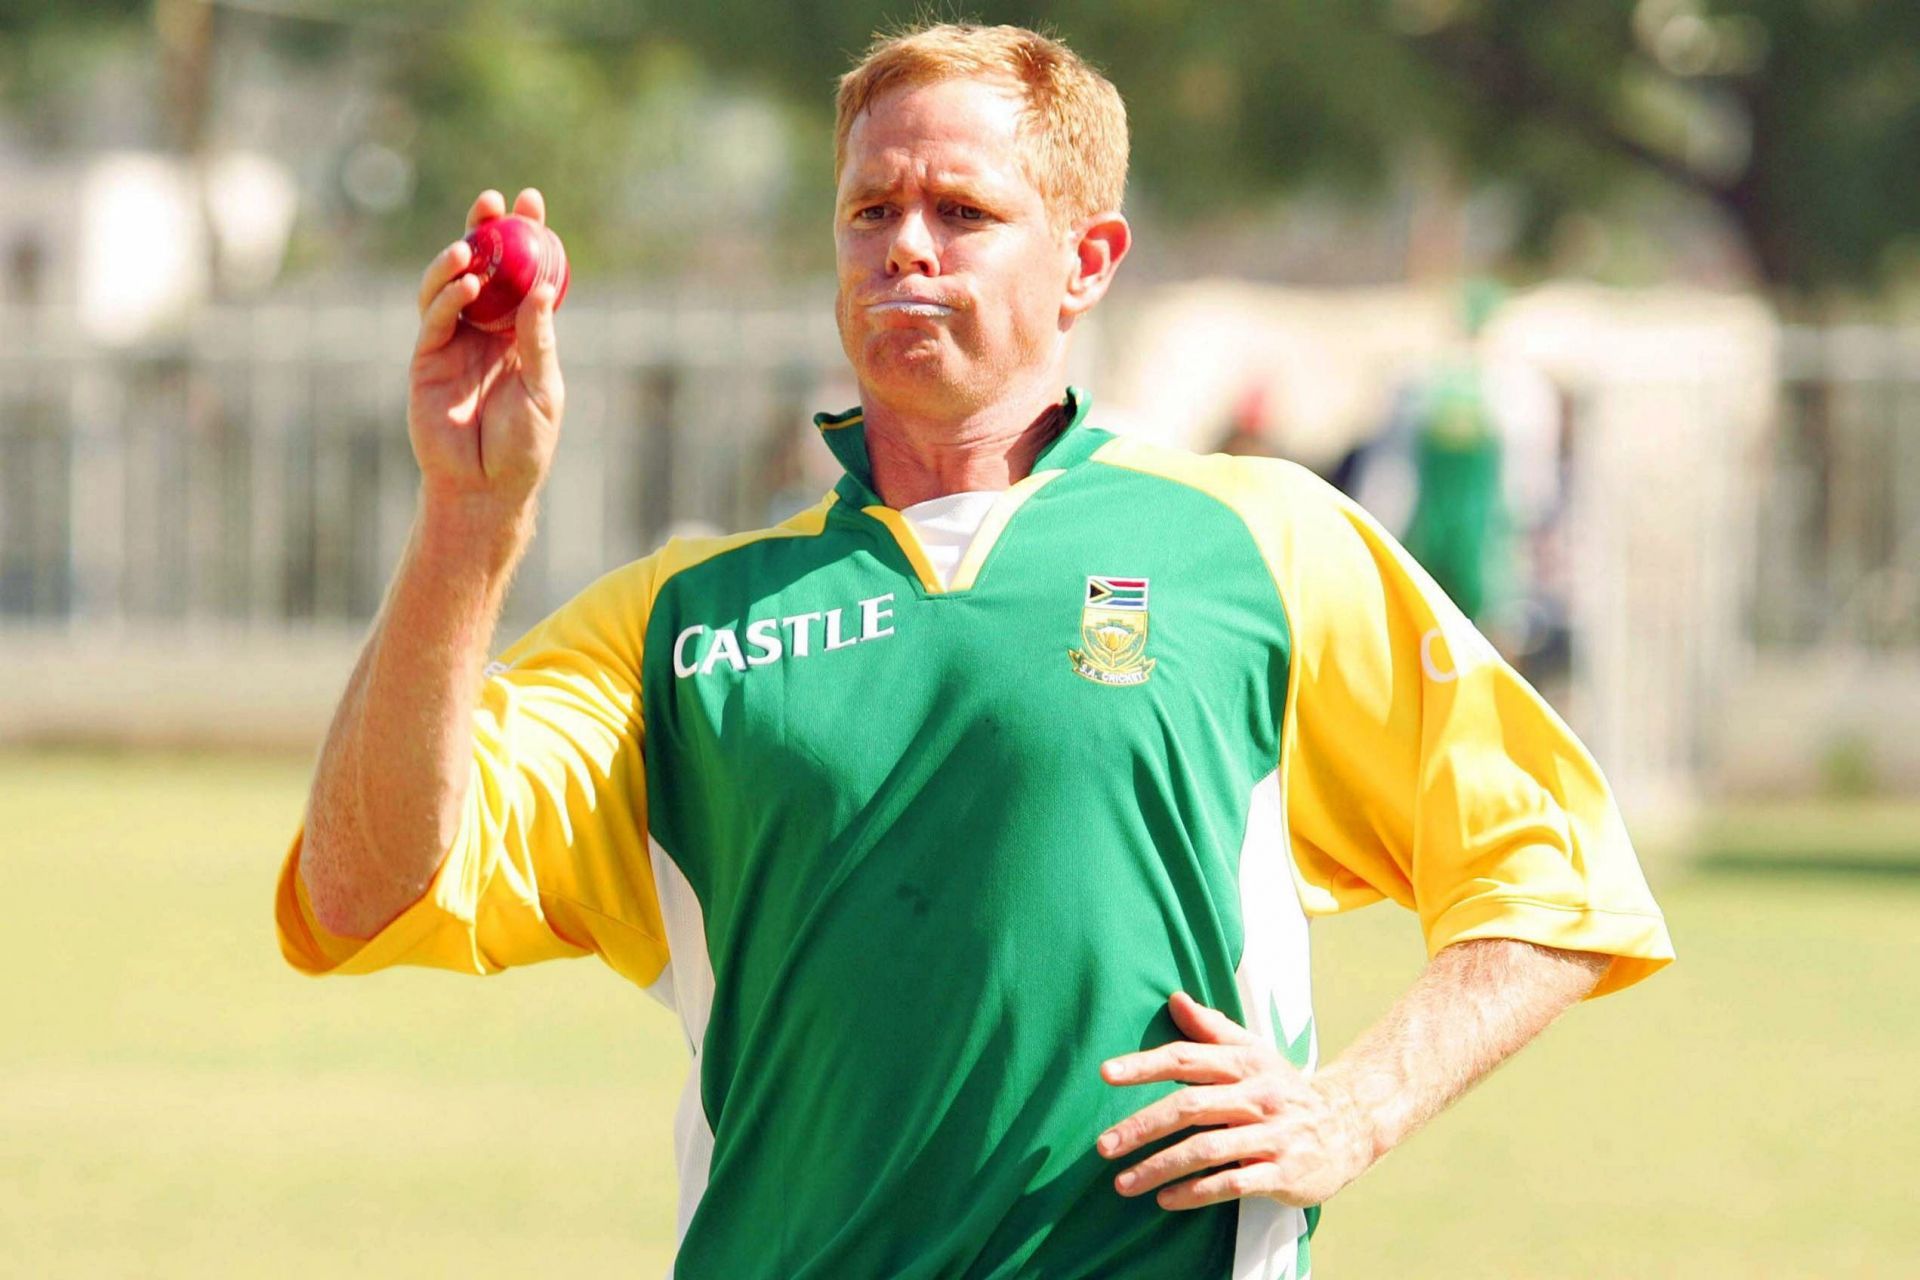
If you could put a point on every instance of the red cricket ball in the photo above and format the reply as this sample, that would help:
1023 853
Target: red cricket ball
511 255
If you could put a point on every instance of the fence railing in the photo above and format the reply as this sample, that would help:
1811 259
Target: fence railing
256 469
253 475
1838 563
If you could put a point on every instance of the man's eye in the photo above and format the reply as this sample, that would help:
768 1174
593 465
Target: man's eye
872 213
969 213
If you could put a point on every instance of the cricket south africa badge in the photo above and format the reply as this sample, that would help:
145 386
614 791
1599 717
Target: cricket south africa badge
1113 627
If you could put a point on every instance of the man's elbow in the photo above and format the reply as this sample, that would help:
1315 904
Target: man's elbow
340 896
1553 974
333 908
1571 975
1588 968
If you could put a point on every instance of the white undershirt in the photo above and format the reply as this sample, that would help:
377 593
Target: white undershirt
946 527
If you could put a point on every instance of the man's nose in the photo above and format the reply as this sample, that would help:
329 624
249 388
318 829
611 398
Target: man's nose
912 251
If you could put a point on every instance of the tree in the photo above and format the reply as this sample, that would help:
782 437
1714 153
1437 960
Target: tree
1795 122
47 46
1798 121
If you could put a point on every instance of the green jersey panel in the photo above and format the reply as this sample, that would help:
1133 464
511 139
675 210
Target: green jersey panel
947 862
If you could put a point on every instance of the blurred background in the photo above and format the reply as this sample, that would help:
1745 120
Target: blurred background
1635 287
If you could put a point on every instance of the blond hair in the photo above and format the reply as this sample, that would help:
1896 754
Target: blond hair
1073 117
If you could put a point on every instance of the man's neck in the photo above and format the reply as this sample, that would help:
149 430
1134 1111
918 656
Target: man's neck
916 458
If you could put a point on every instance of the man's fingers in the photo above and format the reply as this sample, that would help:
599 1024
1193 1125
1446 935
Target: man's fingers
1218 1188
446 264
1208 1026
531 204
1182 1060
1201 1104
442 315
1206 1150
489 204
539 357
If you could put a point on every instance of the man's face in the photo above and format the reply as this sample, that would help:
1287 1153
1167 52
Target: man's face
951 274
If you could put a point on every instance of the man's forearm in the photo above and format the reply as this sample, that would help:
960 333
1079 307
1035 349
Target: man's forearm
392 775
1475 1005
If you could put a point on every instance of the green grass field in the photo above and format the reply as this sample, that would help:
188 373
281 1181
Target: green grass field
175 1102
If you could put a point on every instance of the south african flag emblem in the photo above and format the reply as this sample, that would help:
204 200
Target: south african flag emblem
1113 627
1117 593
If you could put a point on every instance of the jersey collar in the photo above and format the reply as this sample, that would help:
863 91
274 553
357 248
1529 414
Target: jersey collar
846 434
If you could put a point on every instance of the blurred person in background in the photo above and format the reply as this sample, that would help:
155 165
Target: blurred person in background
1249 431
972 818
1468 472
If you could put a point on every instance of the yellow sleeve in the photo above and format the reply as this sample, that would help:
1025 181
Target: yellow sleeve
551 857
1420 767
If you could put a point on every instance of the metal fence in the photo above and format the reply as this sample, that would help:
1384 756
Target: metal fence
252 477
1838 563
255 471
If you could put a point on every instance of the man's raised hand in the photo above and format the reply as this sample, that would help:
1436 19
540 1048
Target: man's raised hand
484 409
1265 1128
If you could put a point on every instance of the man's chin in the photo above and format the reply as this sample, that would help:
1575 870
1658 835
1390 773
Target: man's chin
914 375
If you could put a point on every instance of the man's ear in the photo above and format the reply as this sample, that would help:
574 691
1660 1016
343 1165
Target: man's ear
1097 250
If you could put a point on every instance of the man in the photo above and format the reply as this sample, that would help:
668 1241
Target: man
998 785
1468 466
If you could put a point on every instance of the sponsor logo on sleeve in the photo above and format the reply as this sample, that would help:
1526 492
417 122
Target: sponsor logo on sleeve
1448 652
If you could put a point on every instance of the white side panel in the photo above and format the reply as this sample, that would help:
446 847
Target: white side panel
1274 979
688 987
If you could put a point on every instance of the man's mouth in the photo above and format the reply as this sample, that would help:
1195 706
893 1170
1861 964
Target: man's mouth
911 307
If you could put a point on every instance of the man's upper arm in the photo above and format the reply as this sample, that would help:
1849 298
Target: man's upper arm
551 857
1419 766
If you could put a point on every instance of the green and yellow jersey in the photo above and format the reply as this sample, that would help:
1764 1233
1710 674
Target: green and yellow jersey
910 859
